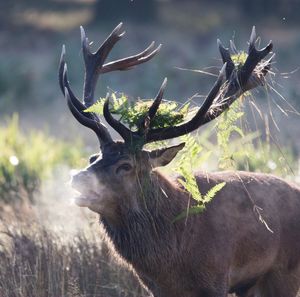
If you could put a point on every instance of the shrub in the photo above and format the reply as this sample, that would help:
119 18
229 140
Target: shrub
28 158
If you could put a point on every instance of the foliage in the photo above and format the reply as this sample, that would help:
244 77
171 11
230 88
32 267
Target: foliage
26 159
238 150
239 59
131 113
226 127
189 160
201 201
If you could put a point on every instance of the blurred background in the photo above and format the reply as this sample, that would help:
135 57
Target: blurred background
40 141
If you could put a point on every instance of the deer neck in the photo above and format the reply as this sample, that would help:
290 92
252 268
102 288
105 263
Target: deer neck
147 231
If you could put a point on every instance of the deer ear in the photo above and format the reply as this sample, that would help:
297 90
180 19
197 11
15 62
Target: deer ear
162 157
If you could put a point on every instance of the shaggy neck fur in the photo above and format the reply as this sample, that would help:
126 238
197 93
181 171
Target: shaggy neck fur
147 232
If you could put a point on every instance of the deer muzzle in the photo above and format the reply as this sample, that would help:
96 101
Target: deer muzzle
85 183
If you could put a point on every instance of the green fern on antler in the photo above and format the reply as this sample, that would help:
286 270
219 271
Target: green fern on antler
170 113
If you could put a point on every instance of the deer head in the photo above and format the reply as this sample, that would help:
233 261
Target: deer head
115 178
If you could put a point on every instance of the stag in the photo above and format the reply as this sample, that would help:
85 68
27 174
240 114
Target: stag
225 249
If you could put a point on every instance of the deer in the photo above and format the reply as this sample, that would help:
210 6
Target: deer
226 249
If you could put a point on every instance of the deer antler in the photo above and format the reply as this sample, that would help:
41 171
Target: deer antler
94 66
216 101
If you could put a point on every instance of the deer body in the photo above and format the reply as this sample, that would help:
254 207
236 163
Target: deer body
246 241
224 249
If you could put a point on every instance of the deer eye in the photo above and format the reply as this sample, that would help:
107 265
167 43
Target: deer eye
126 167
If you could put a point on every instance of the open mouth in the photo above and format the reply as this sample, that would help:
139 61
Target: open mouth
85 199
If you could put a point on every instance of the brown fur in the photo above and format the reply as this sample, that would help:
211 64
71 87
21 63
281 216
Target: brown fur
223 250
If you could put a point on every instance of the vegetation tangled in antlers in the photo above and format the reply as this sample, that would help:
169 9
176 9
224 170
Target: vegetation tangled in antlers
238 79
170 113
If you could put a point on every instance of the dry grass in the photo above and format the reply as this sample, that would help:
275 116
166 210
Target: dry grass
38 261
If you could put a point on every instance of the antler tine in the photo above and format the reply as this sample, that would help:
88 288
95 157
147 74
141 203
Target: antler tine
233 47
84 43
252 40
226 58
130 62
126 133
96 126
211 96
104 50
87 119
66 85
106 46
77 108
155 105
64 82
144 125
196 121
254 57
61 68
245 79
94 62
